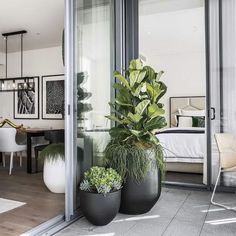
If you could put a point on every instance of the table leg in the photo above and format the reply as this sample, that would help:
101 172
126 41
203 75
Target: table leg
29 154
0 157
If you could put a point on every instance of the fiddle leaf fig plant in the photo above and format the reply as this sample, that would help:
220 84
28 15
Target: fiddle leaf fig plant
137 111
137 108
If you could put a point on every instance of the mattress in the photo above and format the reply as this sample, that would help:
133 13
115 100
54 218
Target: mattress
183 144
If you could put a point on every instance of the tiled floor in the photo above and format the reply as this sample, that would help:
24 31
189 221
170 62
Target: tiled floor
177 213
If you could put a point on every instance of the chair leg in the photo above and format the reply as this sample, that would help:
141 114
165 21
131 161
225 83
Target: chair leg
213 194
20 159
11 162
36 161
3 160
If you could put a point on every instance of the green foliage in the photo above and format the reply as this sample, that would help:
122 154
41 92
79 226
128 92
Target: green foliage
53 152
101 180
131 160
137 111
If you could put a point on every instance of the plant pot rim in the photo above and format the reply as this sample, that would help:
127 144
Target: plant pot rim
100 193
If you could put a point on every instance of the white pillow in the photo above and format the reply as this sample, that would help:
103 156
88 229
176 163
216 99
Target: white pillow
184 121
192 112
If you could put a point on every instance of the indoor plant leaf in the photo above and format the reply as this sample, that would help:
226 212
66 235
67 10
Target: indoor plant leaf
140 108
156 123
134 117
122 79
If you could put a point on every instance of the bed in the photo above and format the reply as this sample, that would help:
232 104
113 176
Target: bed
183 145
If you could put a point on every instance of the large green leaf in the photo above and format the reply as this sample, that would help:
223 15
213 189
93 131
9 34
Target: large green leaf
126 95
154 111
140 108
150 73
123 99
122 79
156 123
158 91
163 89
123 104
114 118
136 64
119 86
137 133
116 132
154 91
154 139
133 77
134 117
158 75
141 76
151 91
137 91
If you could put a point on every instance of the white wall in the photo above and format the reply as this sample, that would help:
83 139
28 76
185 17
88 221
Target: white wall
47 61
173 41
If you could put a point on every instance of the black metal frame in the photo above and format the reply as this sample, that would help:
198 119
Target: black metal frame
6 35
46 76
208 97
221 74
36 82
131 31
132 51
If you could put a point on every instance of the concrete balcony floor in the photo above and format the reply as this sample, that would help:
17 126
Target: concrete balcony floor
177 213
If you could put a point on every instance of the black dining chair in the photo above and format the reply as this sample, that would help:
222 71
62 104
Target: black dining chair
53 136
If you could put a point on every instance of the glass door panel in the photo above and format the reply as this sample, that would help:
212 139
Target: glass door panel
94 67
172 39
223 84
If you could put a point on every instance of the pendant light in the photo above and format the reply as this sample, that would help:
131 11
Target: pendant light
9 84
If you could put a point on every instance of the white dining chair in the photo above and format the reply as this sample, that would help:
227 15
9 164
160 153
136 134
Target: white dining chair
227 149
8 145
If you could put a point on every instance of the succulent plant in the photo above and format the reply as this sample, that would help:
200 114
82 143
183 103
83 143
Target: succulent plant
101 180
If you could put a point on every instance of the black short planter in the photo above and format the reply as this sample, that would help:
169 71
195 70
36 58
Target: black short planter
99 209
139 198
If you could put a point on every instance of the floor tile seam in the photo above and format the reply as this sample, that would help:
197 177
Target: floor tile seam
209 206
131 227
176 213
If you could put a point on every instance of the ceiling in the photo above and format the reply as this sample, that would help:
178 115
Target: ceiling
43 19
148 7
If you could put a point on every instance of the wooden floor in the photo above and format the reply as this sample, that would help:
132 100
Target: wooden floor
41 205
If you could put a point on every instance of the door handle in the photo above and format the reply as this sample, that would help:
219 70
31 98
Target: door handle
213 113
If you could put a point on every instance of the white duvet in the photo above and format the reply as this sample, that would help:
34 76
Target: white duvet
183 147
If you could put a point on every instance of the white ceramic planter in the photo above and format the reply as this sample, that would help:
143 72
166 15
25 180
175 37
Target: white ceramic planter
54 175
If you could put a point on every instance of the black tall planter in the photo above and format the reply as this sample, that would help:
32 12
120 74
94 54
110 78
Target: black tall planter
139 198
99 209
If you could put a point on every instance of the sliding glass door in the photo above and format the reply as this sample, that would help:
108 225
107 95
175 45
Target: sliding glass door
93 58
223 84
172 39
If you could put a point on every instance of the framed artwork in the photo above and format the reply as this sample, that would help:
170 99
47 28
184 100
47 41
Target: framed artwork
26 102
53 88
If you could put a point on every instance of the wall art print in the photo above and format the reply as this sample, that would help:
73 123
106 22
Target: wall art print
53 88
26 102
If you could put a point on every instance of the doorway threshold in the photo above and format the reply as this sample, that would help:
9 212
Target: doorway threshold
183 185
52 226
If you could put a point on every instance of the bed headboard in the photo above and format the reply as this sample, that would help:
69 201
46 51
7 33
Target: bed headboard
185 102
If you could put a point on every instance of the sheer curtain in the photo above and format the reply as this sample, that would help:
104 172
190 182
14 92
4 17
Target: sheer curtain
229 65
95 59
229 76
